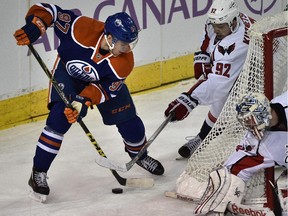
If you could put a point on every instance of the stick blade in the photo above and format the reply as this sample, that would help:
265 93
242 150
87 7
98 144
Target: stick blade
140 182
107 163
37 197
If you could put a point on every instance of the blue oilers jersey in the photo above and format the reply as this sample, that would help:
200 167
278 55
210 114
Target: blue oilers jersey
79 50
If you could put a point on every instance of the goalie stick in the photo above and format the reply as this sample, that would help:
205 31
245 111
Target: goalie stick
105 162
277 205
176 195
131 182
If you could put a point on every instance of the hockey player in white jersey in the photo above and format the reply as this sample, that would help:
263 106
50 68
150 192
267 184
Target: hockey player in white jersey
263 146
217 65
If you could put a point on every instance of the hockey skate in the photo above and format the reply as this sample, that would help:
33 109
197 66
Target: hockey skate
190 147
39 185
151 165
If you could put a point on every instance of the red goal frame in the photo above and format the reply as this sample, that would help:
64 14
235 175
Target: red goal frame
268 74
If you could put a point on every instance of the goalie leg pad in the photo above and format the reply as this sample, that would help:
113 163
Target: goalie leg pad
234 194
218 186
222 189
190 188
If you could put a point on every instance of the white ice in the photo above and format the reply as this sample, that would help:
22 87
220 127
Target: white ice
80 187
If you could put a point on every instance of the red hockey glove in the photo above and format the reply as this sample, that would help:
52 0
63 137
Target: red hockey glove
80 105
202 64
30 32
181 107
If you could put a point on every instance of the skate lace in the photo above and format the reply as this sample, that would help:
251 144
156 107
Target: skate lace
149 163
41 179
193 142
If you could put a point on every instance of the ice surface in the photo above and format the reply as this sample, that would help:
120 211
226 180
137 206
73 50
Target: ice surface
80 187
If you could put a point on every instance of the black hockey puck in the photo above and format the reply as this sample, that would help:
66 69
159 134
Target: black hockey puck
117 190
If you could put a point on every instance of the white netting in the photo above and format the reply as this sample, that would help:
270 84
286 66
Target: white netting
227 132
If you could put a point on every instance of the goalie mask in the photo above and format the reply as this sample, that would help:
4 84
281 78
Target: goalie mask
254 113
123 30
224 11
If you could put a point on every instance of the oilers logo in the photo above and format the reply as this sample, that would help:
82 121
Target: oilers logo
82 70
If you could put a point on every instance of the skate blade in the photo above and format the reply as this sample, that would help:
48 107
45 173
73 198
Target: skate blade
37 197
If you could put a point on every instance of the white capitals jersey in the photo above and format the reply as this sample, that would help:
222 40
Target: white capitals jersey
255 155
227 56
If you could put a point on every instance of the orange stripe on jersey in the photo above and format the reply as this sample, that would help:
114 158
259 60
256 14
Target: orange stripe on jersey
41 13
123 64
87 31
134 148
94 93
50 142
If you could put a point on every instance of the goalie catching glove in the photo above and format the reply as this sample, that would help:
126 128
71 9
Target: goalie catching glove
181 107
30 32
80 105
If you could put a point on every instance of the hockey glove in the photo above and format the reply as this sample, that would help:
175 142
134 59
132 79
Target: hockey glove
202 64
30 32
181 107
80 105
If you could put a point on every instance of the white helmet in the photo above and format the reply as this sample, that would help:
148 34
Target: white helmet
224 11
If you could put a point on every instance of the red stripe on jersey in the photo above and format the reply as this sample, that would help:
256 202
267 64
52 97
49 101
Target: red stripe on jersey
246 162
211 117
195 86
206 41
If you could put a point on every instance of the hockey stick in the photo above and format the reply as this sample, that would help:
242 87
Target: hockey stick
131 182
105 162
176 195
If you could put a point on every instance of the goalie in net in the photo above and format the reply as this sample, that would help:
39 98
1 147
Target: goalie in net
263 146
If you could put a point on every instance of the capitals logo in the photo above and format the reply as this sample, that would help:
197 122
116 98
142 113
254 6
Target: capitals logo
260 6
82 70
227 50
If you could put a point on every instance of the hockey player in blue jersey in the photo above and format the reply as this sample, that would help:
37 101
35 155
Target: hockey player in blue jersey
94 59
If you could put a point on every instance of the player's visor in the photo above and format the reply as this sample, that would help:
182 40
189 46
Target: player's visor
124 47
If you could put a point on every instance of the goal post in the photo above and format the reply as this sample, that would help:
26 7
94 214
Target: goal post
269 42
264 71
268 66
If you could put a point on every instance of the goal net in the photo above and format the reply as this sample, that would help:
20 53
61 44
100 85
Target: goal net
264 71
